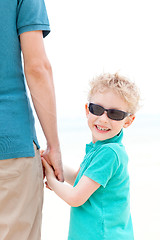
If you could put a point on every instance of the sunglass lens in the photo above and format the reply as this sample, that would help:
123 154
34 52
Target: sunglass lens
116 114
96 109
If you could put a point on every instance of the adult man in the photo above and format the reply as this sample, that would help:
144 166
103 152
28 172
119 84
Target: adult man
24 23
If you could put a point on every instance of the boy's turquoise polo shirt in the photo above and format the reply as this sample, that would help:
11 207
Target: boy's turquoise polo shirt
17 131
106 214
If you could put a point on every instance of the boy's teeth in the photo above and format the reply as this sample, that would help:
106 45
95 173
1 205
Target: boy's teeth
103 129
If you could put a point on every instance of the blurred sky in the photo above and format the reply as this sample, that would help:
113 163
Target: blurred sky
89 37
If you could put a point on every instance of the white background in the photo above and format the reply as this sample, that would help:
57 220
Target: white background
89 37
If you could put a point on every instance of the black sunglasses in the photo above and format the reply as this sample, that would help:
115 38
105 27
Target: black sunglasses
113 114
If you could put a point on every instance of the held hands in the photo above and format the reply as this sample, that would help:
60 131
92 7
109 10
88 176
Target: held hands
49 173
53 158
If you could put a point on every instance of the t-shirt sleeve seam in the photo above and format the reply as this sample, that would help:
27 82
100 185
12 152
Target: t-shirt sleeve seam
94 179
33 27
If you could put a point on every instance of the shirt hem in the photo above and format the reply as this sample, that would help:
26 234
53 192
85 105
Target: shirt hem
17 155
45 28
94 179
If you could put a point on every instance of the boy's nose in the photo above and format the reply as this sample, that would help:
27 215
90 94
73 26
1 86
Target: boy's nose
104 117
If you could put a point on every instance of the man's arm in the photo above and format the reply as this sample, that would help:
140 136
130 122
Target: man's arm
74 196
39 78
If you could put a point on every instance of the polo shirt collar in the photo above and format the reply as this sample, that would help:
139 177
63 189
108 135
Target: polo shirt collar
115 139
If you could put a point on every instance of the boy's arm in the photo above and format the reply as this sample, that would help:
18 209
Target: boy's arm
39 78
70 174
74 196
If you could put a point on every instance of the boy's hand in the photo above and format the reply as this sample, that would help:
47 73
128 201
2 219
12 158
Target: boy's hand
41 152
48 186
49 173
53 157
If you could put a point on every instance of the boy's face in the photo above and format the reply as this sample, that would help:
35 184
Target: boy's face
102 127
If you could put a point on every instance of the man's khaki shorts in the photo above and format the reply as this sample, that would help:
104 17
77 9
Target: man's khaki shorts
21 198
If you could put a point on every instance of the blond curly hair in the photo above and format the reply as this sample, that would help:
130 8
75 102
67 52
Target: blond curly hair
121 85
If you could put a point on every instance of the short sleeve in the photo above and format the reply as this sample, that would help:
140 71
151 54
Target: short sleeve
103 166
32 16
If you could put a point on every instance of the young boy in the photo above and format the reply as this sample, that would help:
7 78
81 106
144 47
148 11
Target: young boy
99 190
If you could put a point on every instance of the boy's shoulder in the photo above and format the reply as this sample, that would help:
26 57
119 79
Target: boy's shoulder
114 146
113 149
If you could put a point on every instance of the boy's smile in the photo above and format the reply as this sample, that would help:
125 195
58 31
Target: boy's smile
102 127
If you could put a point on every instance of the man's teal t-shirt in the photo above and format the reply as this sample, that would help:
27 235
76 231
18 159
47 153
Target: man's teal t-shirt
106 214
17 132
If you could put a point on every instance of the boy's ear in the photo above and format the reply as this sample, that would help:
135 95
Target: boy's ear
86 108
129 121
